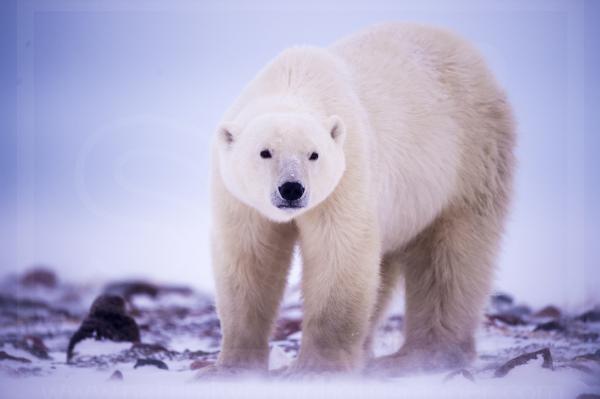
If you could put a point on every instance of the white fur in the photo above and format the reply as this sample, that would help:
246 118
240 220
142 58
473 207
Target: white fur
290 138
414 176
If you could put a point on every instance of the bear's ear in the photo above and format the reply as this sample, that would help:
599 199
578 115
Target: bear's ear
337 129
227 133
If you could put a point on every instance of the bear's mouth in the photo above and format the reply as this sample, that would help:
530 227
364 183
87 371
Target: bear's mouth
290 205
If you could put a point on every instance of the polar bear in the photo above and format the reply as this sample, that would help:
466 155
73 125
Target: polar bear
388 154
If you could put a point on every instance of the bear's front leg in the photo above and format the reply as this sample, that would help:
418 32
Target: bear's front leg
340 253
251 259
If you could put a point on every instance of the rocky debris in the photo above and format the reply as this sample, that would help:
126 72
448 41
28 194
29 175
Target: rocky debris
586 336
522 311
462 372
503 311
285 328
190 354
39 276
131 288
116 376
550 312
589 356
198 364
151 362
394 323
25 310
524 359
107 320
506 318
550 326
34 345
591 316
43 321
6 356
501 300
145 350
132 354
179 328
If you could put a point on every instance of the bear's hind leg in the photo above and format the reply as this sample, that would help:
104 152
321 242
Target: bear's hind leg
448 277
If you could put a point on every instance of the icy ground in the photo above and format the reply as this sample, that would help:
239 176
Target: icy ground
175 331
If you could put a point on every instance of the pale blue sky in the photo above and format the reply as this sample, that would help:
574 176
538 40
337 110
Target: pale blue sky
108 107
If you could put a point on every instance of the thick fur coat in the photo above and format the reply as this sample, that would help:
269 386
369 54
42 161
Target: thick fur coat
413 173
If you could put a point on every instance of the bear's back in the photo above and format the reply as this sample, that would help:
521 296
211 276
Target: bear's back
434 110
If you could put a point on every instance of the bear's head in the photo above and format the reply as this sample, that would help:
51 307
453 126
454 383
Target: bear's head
282 164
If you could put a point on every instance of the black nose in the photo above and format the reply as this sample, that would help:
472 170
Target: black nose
291 191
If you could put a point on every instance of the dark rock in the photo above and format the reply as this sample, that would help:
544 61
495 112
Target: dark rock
586 337
524 359
588 396
501 300
506 312
393 323
6 356
179 311
147 349
116 376
210 328
595 356
34 345
285 328
590 316
25 309
142 350
176 289
550 326
151 362
129 289
189 354
199 364
520 310
548 312
169 322
39 276
507 318
107 320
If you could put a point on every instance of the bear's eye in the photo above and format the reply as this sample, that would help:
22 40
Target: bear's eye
314 156
265 154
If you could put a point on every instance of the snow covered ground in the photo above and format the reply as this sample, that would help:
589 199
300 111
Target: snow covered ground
179 333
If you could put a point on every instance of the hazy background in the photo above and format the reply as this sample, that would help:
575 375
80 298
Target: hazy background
107 109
